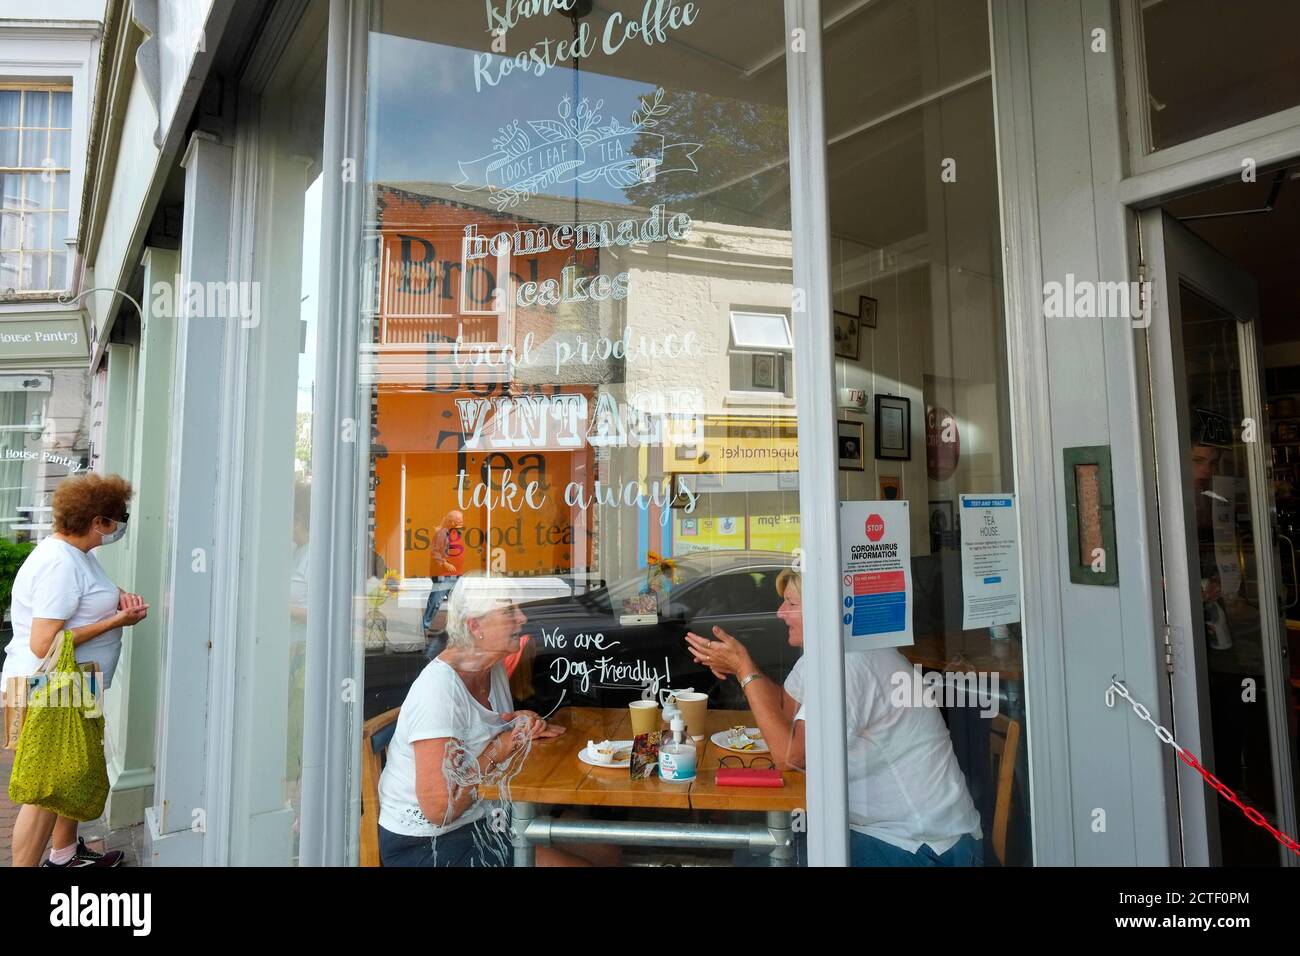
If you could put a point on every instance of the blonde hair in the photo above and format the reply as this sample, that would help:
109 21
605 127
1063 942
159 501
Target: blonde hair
786 578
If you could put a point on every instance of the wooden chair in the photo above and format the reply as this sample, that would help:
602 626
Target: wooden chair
1004 745
376 733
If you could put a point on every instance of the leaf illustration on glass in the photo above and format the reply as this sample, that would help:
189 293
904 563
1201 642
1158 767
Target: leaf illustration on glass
550 130
623 176
579 146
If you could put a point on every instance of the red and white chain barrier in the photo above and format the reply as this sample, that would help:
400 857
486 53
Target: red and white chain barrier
1186 756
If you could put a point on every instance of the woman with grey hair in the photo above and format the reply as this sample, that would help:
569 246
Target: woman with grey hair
458 729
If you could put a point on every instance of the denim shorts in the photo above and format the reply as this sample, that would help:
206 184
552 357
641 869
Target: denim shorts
474 844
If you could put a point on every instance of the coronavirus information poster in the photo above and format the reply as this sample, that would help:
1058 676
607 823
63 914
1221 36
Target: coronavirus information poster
875 574
990 561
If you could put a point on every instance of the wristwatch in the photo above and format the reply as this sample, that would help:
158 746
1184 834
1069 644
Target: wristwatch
749 678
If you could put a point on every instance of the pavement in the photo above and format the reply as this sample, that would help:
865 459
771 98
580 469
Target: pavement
98 837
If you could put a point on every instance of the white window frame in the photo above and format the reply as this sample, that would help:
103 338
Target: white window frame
782 354
53 283
1262 139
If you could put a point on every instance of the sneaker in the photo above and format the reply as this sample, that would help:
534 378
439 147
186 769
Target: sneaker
85 856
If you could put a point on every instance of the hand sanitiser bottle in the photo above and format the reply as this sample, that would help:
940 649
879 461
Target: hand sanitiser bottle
677 759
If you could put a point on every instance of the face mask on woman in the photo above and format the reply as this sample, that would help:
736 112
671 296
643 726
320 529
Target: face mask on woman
115 535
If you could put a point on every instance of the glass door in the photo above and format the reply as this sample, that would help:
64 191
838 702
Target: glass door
1221 563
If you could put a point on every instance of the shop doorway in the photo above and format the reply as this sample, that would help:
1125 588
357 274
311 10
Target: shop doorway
1222 311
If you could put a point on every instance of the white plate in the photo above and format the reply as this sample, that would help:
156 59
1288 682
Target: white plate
618 745
723 739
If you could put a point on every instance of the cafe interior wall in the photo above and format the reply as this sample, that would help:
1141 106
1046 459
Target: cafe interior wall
913 203
932 358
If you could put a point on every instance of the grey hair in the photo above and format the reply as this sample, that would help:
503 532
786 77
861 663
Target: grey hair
474 596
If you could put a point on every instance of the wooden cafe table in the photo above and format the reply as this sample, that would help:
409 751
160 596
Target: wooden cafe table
554 776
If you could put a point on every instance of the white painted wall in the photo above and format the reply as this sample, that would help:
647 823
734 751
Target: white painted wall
47 10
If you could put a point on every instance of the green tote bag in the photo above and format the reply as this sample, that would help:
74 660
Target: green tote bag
59 763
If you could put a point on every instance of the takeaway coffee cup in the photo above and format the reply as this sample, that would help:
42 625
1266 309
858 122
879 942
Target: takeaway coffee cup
645 717
694 708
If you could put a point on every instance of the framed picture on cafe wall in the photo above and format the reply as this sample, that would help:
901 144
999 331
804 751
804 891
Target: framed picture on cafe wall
848 336
893 428
850 441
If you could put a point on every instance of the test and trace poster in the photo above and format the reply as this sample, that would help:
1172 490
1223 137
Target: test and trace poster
875 574
990 561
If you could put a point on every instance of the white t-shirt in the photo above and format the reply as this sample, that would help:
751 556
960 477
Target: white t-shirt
437 705
905 785
60 582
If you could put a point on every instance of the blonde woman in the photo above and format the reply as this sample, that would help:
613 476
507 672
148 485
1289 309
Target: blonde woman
62 587
908 801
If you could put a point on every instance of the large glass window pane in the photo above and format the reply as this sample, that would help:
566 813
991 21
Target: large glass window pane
276 311
935 701
44 438
565 476
1211 65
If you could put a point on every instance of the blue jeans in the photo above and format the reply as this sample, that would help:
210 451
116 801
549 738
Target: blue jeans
868 851
474 844
441 589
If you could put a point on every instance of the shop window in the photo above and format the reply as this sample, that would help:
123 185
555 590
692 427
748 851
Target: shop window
35 172
44 438
760 353
924 439
1208 65
554 469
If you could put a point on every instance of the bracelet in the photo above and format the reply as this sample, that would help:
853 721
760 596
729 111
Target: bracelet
750 678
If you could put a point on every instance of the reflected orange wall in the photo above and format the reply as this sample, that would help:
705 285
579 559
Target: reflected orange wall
424 428
423 273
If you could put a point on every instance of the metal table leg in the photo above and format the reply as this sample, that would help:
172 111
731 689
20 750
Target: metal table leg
778 825
525 851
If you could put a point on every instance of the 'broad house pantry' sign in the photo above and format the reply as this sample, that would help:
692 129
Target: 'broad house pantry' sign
42 339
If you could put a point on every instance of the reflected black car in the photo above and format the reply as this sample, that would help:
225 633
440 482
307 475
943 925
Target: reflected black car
586 650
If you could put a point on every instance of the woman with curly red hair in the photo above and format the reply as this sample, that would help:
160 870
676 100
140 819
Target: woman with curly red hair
61 587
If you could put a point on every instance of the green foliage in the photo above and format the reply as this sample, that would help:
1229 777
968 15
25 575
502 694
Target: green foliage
744 172
12 556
